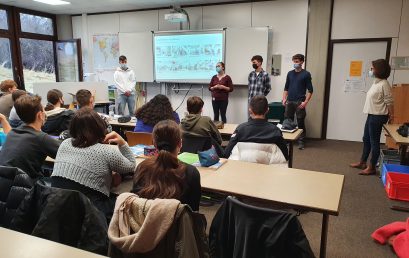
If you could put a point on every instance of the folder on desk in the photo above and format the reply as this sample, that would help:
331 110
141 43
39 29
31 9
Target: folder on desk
193 159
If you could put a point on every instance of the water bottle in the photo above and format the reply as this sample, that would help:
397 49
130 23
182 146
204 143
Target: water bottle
111 111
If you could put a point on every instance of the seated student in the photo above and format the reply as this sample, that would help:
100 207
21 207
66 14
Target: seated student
165 176
58 117
6 128
27 147
6 101
85 99
85 164
157 109
14 119
257 129
196 124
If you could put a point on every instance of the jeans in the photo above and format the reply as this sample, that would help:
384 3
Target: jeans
123 100
372 137
220 106
291 109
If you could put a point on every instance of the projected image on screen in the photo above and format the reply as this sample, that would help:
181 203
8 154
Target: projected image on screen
187 57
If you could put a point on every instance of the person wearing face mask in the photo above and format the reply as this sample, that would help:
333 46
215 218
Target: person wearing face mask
297 93
220 86
379 107
58 117
125 81
27 147
259 80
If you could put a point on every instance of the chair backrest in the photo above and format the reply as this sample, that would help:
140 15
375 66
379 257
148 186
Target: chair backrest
262 153
134 138
14 185
193 143
250 231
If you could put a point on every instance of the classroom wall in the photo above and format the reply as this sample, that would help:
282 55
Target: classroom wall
375 19
64 27
287 18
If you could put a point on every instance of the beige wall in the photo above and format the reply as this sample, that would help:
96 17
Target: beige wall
316 63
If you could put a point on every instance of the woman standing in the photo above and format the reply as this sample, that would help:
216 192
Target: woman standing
379 107
220 86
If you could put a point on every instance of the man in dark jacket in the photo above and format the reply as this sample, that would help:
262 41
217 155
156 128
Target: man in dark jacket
257 129
196 124
27 147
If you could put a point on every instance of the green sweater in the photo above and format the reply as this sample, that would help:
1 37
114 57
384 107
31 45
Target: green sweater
199 125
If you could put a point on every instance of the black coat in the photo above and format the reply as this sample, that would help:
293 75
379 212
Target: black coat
241 230
14 185
63 216
56 124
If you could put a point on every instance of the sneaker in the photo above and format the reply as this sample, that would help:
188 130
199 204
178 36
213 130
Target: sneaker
301 146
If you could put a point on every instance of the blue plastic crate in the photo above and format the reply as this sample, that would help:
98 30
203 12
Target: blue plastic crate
393 168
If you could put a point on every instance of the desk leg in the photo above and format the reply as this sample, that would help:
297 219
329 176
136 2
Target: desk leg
290 154
402 150
324 234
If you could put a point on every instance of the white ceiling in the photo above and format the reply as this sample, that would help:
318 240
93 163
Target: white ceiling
94 6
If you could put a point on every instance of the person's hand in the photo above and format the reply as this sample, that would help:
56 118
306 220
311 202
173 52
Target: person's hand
116 179
303 105
390 121
127 93
114 137
2 118
284 101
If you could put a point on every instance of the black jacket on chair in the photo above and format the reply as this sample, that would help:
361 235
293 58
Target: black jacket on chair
58 123
14 186
241 230
63 216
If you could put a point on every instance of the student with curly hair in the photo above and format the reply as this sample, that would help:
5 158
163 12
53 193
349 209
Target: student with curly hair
157 109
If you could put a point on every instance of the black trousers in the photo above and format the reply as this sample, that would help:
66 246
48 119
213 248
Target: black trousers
291 110
220 106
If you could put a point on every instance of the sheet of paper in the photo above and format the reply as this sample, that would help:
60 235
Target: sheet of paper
355 69
354 85
188 158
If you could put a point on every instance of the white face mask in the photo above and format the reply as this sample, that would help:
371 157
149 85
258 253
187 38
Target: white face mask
123 66
371 74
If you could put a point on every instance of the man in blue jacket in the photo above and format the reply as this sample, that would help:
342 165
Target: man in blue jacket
297 93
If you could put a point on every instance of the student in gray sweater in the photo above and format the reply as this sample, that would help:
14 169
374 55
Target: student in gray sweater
86 161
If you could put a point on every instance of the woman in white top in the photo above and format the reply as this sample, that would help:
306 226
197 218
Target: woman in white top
379 107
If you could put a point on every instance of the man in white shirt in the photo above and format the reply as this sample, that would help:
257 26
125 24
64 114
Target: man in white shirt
124 78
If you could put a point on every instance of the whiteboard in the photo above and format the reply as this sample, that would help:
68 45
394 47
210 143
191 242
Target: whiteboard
241 45
137 47
100 89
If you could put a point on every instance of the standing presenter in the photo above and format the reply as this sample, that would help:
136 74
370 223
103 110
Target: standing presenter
220 86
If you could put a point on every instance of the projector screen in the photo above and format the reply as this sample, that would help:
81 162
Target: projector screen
187 57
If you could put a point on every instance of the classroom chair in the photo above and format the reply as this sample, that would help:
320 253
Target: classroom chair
194 143
242 230
14 186
64 216
156 228
134 138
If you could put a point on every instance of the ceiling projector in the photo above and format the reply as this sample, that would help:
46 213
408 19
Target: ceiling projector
176 17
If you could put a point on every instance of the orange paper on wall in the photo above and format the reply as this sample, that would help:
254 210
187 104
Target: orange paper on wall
355 68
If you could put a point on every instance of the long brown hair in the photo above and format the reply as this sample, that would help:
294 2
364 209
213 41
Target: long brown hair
162 177
87 128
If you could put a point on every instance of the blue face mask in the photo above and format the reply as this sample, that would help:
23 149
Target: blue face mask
218 69
296 66
123 66
370 74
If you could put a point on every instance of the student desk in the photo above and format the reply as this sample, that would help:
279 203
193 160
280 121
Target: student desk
403 142
18 245
129 125
293 188
229 129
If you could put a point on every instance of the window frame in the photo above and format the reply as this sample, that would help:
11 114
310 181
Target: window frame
14 34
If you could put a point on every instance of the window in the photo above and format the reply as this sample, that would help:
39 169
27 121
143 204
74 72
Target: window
27 50
36 24
38 61
6 71
3 20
